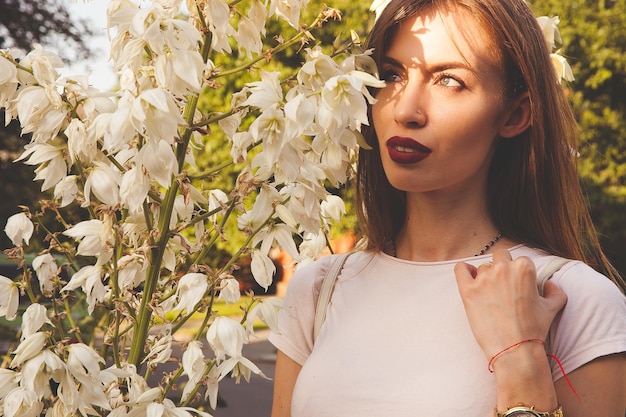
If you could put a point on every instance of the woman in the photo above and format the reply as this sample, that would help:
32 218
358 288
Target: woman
469 190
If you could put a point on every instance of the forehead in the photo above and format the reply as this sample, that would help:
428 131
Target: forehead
445 36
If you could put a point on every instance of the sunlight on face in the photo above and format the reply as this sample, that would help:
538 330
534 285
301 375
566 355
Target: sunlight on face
438 118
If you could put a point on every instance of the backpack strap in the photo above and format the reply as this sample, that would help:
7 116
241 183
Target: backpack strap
326 292
543 276
548 270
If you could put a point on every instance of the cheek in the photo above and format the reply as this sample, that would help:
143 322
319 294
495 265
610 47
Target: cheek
381 115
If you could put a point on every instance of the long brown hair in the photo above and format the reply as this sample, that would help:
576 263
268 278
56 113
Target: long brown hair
534 194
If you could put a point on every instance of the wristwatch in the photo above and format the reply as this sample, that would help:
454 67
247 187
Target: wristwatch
521 410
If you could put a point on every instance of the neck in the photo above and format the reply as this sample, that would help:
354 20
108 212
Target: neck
437 231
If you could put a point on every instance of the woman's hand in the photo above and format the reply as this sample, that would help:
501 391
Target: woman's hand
502 303
504 307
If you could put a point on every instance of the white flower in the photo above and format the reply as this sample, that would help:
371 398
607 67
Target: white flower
8 80
550 30
22 402
19 228
83 360
83 363
156 114
280 233
562 68
313 244
270 128
226 337
286 216
53 167
9 298
378 6
41 111
241 141
261 211
218 16
37 372
159 161
66 190
289 10
134 188
238 367
8 381
317 69
230 292
342 102
263 268
299 114
46 269
193 366
333 207
82 147
131 271
89 278
161 349
95 235
43 64
30 347
249 37
104 181
266 93
179 72
190 290
33 319
217 199
265 310
115 128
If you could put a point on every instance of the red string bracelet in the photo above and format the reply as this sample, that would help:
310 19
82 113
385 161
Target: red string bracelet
497 355
494 357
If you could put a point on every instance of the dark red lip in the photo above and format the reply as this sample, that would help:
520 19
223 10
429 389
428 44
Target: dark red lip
406 150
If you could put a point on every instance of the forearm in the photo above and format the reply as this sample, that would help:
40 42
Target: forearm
523 376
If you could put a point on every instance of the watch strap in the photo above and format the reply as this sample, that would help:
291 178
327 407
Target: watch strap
522 410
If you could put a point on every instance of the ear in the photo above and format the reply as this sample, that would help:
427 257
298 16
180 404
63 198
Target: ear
517 119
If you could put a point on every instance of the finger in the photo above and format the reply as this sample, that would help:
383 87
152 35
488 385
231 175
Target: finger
464 271
501 255
555 295
484 266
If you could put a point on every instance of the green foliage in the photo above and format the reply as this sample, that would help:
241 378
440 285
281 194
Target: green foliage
594 35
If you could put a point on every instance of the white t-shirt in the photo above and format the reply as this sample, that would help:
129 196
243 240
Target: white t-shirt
396 340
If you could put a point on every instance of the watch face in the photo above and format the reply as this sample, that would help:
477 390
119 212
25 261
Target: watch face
521 413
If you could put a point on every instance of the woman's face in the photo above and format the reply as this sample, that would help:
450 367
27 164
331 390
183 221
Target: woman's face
438 118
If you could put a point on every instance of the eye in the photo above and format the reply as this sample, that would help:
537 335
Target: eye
390 75
449 81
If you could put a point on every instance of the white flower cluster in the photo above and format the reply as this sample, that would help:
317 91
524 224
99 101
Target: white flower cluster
122 157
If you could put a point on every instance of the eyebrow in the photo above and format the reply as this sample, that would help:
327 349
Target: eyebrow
440 67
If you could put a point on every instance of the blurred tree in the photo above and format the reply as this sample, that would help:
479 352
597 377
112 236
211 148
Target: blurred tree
24 22
594 35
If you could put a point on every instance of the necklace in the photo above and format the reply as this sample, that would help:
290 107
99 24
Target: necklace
394 249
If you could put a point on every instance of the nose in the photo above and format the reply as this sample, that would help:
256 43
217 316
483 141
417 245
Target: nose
409 109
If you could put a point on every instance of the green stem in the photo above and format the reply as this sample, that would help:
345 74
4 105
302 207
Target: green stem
144 317
70 319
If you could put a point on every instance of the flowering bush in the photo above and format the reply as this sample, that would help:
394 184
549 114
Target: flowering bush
137 258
